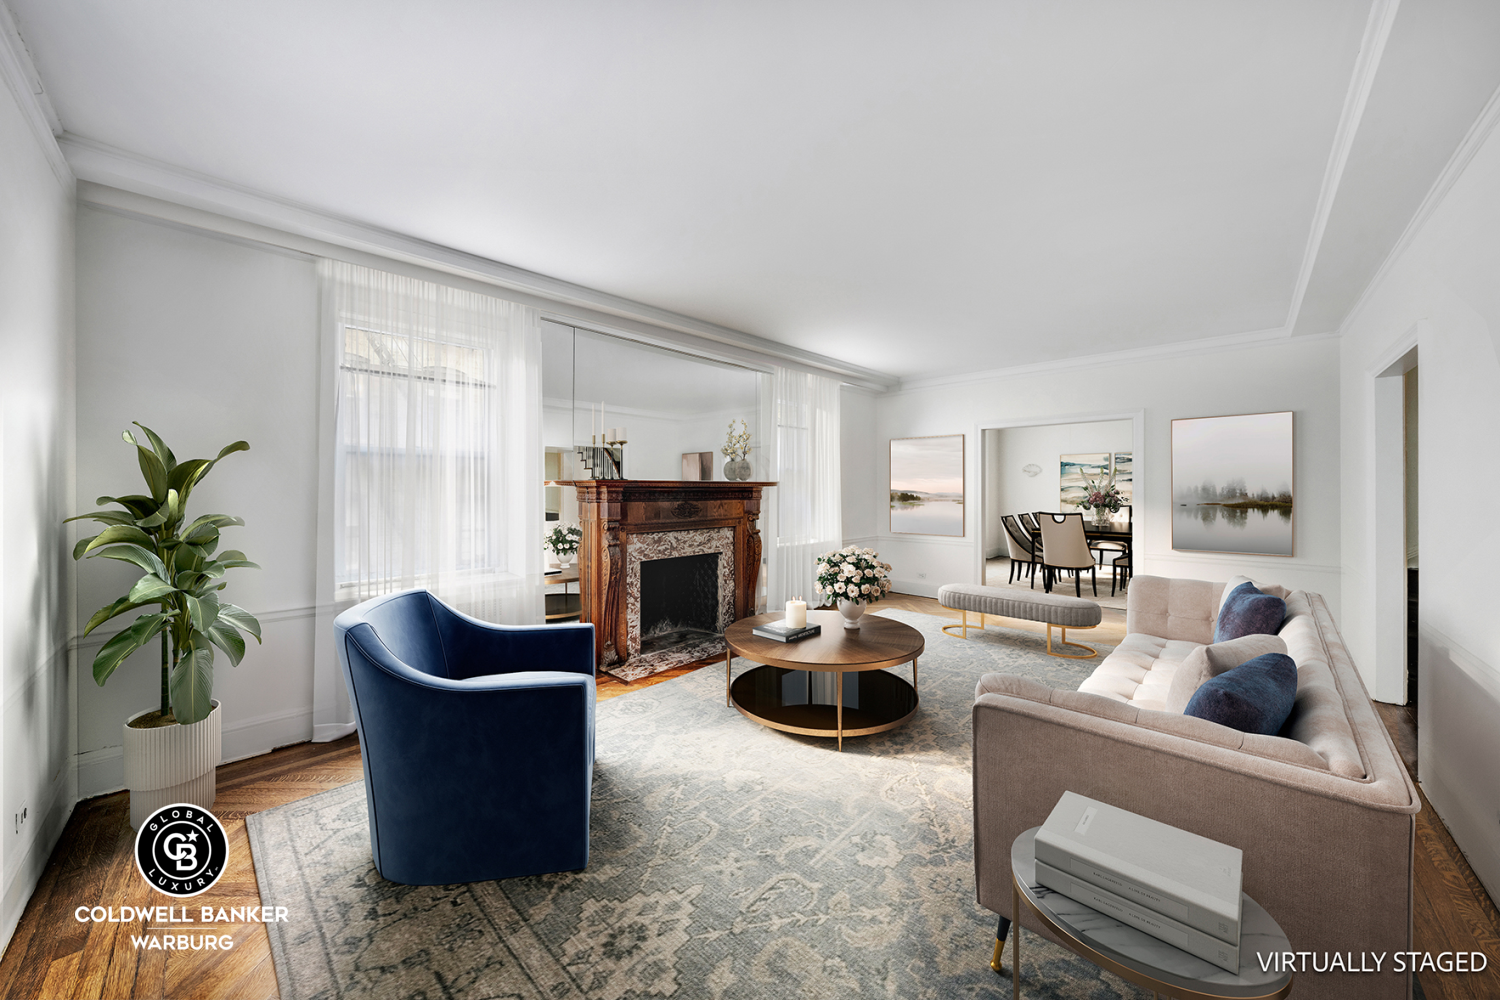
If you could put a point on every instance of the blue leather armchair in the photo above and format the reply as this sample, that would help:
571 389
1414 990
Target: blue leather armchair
477 740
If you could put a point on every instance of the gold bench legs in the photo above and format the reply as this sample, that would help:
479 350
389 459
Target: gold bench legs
1092 652
965 626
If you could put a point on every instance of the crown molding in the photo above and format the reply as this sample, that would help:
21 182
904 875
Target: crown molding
103 164
674 416
23 82
1371 48
1184 349
1473 141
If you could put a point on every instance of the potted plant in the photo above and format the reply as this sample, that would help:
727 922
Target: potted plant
170 751
563 542
855 578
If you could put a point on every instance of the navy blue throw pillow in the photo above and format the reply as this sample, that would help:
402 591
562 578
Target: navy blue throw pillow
1254 697
1247 611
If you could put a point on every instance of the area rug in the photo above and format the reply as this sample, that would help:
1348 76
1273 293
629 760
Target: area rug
727 861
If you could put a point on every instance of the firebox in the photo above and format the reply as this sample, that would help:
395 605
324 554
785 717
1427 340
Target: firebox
679 600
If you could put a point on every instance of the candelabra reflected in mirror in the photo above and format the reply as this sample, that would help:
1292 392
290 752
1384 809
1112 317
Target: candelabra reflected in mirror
606 461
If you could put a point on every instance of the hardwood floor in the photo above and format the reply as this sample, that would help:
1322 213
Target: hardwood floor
54 956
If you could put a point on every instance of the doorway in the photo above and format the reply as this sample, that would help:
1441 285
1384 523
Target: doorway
1032 466
1395 542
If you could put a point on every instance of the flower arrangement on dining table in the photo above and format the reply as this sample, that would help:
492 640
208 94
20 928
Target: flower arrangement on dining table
853 574
1102 494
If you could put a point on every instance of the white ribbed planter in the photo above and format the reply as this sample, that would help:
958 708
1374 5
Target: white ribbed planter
172 764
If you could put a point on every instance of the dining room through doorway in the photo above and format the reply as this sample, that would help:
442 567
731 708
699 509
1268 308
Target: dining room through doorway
1036 468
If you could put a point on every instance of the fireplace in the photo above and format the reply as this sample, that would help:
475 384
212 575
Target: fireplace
679 601
664 568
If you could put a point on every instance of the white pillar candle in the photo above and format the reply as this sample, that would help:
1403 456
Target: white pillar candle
796 613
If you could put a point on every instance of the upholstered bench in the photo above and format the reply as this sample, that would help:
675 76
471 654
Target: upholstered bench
1054 609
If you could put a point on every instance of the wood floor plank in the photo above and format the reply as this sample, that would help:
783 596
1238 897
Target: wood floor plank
52 955
61 974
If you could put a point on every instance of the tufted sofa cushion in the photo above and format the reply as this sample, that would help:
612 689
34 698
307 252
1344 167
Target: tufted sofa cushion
1140 670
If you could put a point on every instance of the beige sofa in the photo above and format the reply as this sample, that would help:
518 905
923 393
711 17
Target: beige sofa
1324 812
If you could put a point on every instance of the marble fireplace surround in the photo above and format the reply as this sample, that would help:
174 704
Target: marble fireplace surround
652 545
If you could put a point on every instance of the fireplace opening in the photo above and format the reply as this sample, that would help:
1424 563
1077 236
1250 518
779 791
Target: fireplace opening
679 600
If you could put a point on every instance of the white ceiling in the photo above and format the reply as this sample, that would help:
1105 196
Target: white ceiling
916 188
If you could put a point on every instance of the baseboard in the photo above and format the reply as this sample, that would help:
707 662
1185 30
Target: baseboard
28 873
102 771
916 588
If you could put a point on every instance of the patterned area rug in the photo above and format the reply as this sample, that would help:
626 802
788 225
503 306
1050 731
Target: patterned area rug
728 861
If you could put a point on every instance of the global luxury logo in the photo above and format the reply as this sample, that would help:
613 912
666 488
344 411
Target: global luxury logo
181 849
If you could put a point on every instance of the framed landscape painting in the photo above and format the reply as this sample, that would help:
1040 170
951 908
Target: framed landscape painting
927 485
1073 470
1232 484
1124 470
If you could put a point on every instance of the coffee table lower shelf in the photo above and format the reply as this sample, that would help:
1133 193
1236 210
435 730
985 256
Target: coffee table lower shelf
874 700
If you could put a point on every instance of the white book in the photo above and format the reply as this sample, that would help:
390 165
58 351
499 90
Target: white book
1179 935
1193 880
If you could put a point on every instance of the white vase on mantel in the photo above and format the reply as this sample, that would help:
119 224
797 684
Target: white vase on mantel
852 612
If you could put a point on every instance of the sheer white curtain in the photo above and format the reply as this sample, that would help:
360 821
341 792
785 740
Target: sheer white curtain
809 517
435 451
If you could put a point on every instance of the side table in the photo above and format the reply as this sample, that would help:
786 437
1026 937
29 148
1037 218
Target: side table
1137 956
564 605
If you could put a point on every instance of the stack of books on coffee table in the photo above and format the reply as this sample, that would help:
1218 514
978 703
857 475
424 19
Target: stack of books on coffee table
1176 886
782 632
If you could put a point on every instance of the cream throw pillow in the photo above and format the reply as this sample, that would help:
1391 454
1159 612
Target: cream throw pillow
1211 661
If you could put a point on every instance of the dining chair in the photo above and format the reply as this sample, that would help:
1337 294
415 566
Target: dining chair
1103 545
1018 543
1119 573
1064 547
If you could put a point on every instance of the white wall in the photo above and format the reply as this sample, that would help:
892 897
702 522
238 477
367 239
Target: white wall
1295 374
1441 293
862 499
36 493
1008 490
206 341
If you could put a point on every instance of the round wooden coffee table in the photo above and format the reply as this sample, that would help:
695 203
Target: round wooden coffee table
801 688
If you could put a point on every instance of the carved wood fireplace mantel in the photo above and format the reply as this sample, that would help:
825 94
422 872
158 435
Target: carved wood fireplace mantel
626 521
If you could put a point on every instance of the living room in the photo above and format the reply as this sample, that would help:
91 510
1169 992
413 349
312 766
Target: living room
1199 235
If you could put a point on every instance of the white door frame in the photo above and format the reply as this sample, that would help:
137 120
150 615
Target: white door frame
1385 525
1138 466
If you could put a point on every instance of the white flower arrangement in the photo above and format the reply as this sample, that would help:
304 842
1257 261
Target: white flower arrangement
738 445
563 540
853 574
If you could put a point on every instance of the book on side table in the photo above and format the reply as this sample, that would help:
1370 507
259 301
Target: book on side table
782 632
1172 884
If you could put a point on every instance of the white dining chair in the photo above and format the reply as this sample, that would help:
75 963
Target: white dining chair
1064 547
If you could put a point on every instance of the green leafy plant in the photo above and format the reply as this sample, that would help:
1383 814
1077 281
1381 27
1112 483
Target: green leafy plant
182 578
